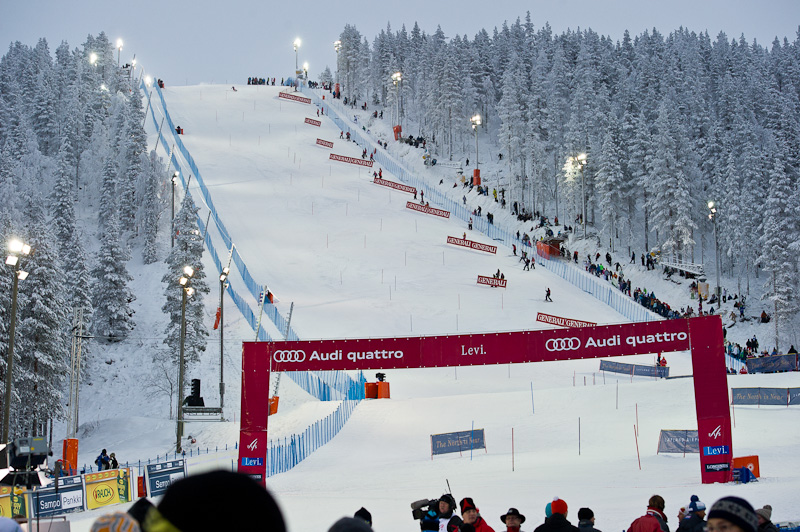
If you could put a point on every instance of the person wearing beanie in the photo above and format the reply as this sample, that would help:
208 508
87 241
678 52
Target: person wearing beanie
345 524
586 520
447 507
654 520
764 523
180 508
472 520
695 514
557 522
513 520
362 513
732 514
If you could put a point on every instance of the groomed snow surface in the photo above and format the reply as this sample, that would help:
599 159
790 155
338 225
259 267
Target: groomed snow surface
357 263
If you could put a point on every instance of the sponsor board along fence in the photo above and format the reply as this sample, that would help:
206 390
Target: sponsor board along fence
765 396
471 244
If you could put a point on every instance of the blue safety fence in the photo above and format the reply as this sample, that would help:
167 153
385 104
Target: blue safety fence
256 290
284 455
330 385
603 291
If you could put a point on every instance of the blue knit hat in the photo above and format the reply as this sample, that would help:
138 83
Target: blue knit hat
696 505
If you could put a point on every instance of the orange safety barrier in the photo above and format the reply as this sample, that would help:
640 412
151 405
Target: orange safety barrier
476 177
750 462
370 390
383 390
70 455
273 405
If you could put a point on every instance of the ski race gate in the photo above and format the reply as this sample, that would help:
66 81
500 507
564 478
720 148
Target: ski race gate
702 335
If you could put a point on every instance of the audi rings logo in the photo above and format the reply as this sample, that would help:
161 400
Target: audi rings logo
563 344
295 355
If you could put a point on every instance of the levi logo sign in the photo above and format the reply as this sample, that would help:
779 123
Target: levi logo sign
716 450
252 462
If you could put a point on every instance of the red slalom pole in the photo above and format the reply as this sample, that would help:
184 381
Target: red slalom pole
636 437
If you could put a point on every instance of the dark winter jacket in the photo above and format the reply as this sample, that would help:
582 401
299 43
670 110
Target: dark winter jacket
586 525
557 523
692 523
767 526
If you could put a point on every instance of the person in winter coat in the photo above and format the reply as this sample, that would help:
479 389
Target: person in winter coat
764 515
695 514
586 520
547 295
470 515
113 464
102 460
447 507
732 514
513 520
557 522
655 514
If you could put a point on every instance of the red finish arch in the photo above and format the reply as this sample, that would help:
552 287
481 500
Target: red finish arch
703 336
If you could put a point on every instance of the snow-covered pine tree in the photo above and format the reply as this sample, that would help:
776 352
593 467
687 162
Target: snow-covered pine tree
151 206
43 325
188 251
111 293
63 197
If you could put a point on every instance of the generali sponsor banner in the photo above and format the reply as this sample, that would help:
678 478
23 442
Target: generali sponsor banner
296 98
396 186
491 281
562 322
313 122
678 441
703 335
427 210
350 160
326 143
472 245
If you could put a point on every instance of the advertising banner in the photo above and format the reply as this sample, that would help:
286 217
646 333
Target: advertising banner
47 502
562 322
455 442
396 186
313 122
678 441
294 97
326 143
471 244
761 396
13 501
350 160
427 210
491 281
794 396
105 488
772 364
634 369
158 477
703 335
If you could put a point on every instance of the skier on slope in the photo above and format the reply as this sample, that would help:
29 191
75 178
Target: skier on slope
547 295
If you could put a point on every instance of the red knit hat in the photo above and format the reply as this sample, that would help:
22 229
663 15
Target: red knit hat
558 506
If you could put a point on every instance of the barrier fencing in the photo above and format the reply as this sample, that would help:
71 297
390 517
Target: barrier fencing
283 456
330 385
252 287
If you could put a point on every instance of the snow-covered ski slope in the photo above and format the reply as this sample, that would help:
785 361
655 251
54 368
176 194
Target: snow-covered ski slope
357 263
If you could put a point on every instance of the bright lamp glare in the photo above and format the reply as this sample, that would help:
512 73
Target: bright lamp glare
582 157
148 81
190 291
26 249
188 270
22 275
183 281
119 43
710 204
93 58
15 246
12 260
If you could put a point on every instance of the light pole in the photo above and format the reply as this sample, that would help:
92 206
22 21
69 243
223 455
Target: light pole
580 161
172 220
296 46
476 121
713 217
18 249
397 78
223 278
305 71
337 45
119 50
186 292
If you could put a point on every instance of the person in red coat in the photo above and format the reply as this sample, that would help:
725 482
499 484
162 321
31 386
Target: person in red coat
655 514
470 519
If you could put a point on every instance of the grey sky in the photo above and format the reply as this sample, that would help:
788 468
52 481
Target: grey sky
196 41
